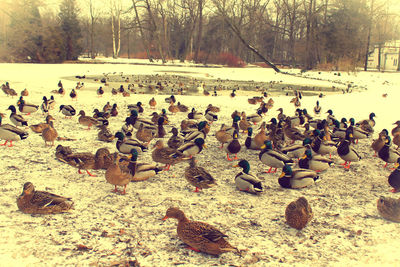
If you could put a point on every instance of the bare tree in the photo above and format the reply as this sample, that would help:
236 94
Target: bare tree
115 11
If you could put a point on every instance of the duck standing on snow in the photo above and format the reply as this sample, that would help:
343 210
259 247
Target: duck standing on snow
346 152
115 176
296 178
250 142
175 140
317 109
38 128
223 136
100 91
25 107
49 134
41 202
298 213
105 134
198 176
15 118
233 147
126 145
255 118
11 133
388 154
87 120
73 95
195 115
140 171
368 124
245 181
380 142
152 103
210 116
273 158
394 177
190 149
164 155
67 110
396 130
199 236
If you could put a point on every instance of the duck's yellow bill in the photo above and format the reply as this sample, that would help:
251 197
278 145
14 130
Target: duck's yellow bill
282 174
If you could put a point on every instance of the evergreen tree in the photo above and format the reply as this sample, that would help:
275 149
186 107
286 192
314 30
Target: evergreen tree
71 31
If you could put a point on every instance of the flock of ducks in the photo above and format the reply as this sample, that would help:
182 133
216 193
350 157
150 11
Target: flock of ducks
281 143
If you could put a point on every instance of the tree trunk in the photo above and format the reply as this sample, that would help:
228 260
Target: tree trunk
368 37
144 41
199 32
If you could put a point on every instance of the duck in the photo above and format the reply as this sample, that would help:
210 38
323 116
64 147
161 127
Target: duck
136 121
49 134
330 117
367 125
105 134
245 181
396 130
107 107
84 160
127 127
45 106
173 108
101 115
296 178
338 131
198 176
73 95
244 124
160 128
170 99
346 152
182 107
114 110
190 149
214 109
223 136
235 125
175 140
42 202
67 110
394 177
387 154
273 158
233 147
15 118
321 146
25 107
152 103
317 108
255 118
358 133
164 155
280 116
61 91
138 107
115 176
24 92
194 115
396 141
389 208
233 93
144 134
199 236
314 162
291 132
114 91
250 142
140 171
210 116
38 128
126 145
297 150
203 128
87 120
261 137
11 133
100 91
380 141
298 213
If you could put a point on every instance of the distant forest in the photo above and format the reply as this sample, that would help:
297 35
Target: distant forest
310 34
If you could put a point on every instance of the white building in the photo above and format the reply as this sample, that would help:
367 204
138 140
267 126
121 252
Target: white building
389 56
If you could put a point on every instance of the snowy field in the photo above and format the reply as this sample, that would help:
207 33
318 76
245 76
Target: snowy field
346 228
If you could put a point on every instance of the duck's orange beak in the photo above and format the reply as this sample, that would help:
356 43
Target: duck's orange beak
165 217
282 175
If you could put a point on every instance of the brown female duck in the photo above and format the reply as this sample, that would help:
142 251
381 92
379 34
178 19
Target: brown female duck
198 176
298 213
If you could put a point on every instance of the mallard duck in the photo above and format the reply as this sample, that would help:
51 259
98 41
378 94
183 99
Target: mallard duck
317 108
245 181
233 93
41 202
367 125
11 133
87 120
273 158
235 125
321 146
73 95
337 131
255 118
394 177
152 103
250 142
45 106
261 137
190 149
67 110
198 176
24 92
396 141
347 152
389 208
100 91
51 102
126 145
84 160
244 124
144 134
298 213
105 134
49 134
203 128
396 130
199 236
136 121
114 110
296 178
25 107
296 151
139 171
175 141
115 176
210 116
107 107
291 132
182 107
173 108
233 147
214 109
314 162
127 128
330 117
138 107
358 133
61 91
170 99
281 116
164 155
17 119
223 136
38 128
195 115
380 142
114 91
97 114
388 154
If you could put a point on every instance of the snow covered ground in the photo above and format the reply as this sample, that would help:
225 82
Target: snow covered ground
346 228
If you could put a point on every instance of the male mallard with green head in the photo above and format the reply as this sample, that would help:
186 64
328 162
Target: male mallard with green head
245 181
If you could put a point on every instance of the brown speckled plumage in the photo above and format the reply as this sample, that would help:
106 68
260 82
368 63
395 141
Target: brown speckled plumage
389 208
298 213
198 176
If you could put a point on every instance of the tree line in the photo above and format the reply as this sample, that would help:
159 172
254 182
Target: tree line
299 33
